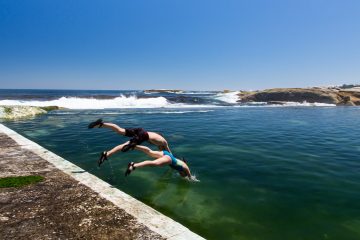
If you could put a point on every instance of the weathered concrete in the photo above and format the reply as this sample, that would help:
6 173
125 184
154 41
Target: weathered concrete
71 203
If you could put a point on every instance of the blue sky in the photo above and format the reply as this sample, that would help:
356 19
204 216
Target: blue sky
182 44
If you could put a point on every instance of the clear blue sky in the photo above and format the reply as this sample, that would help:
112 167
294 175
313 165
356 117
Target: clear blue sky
182 44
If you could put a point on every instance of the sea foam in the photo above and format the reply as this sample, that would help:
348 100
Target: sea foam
307 104
192 179
230 97
152 102
92 103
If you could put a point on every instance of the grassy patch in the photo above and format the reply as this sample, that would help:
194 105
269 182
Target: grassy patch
19 181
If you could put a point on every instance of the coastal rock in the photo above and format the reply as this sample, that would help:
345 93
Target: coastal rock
51 108
349 97
227 91
163 91
276 103
16 112
291 95
357 103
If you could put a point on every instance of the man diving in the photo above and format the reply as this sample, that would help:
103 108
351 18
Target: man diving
137 136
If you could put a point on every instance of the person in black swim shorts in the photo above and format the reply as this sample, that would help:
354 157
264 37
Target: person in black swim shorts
137 136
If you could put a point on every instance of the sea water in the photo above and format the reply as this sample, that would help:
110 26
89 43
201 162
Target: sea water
265 172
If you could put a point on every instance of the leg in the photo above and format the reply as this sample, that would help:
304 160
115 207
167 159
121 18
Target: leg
149 152
116 149
115 128
164 160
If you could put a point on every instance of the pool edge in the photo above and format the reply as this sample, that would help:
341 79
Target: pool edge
151 218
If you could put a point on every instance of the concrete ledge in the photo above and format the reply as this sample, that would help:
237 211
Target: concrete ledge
155 221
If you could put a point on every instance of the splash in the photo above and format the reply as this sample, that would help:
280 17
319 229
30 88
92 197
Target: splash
192 179
231 97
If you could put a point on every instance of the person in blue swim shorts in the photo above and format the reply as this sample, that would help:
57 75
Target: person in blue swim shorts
161 158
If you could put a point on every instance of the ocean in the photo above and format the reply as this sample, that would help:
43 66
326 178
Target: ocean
265 171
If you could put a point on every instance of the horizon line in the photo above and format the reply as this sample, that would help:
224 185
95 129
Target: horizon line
171 89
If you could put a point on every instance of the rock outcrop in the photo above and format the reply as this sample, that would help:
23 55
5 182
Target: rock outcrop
16 112
163 91
349 97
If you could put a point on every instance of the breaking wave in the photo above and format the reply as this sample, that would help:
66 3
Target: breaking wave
231 97
307 104
286 104
92 103
128 102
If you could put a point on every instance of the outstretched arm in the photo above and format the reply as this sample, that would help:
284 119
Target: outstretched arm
186 172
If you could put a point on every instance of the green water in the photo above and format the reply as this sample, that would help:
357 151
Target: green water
266 173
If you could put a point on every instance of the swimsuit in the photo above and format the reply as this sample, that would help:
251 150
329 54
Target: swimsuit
175 164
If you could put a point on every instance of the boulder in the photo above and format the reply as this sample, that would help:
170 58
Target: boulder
310 95
338 96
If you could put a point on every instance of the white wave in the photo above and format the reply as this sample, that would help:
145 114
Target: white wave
306 104
200 111
230 97
91 103
182 92
179 112
285 104
91 113
63 113
163 91
256 103
197 93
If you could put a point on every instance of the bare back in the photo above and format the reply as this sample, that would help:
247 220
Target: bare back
159 141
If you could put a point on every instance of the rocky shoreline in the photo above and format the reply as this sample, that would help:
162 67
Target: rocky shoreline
337 96
163 91
346 95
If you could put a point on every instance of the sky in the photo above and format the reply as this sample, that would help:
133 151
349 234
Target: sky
178 44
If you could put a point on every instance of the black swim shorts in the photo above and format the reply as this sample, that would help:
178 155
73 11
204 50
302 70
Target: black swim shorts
138 135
